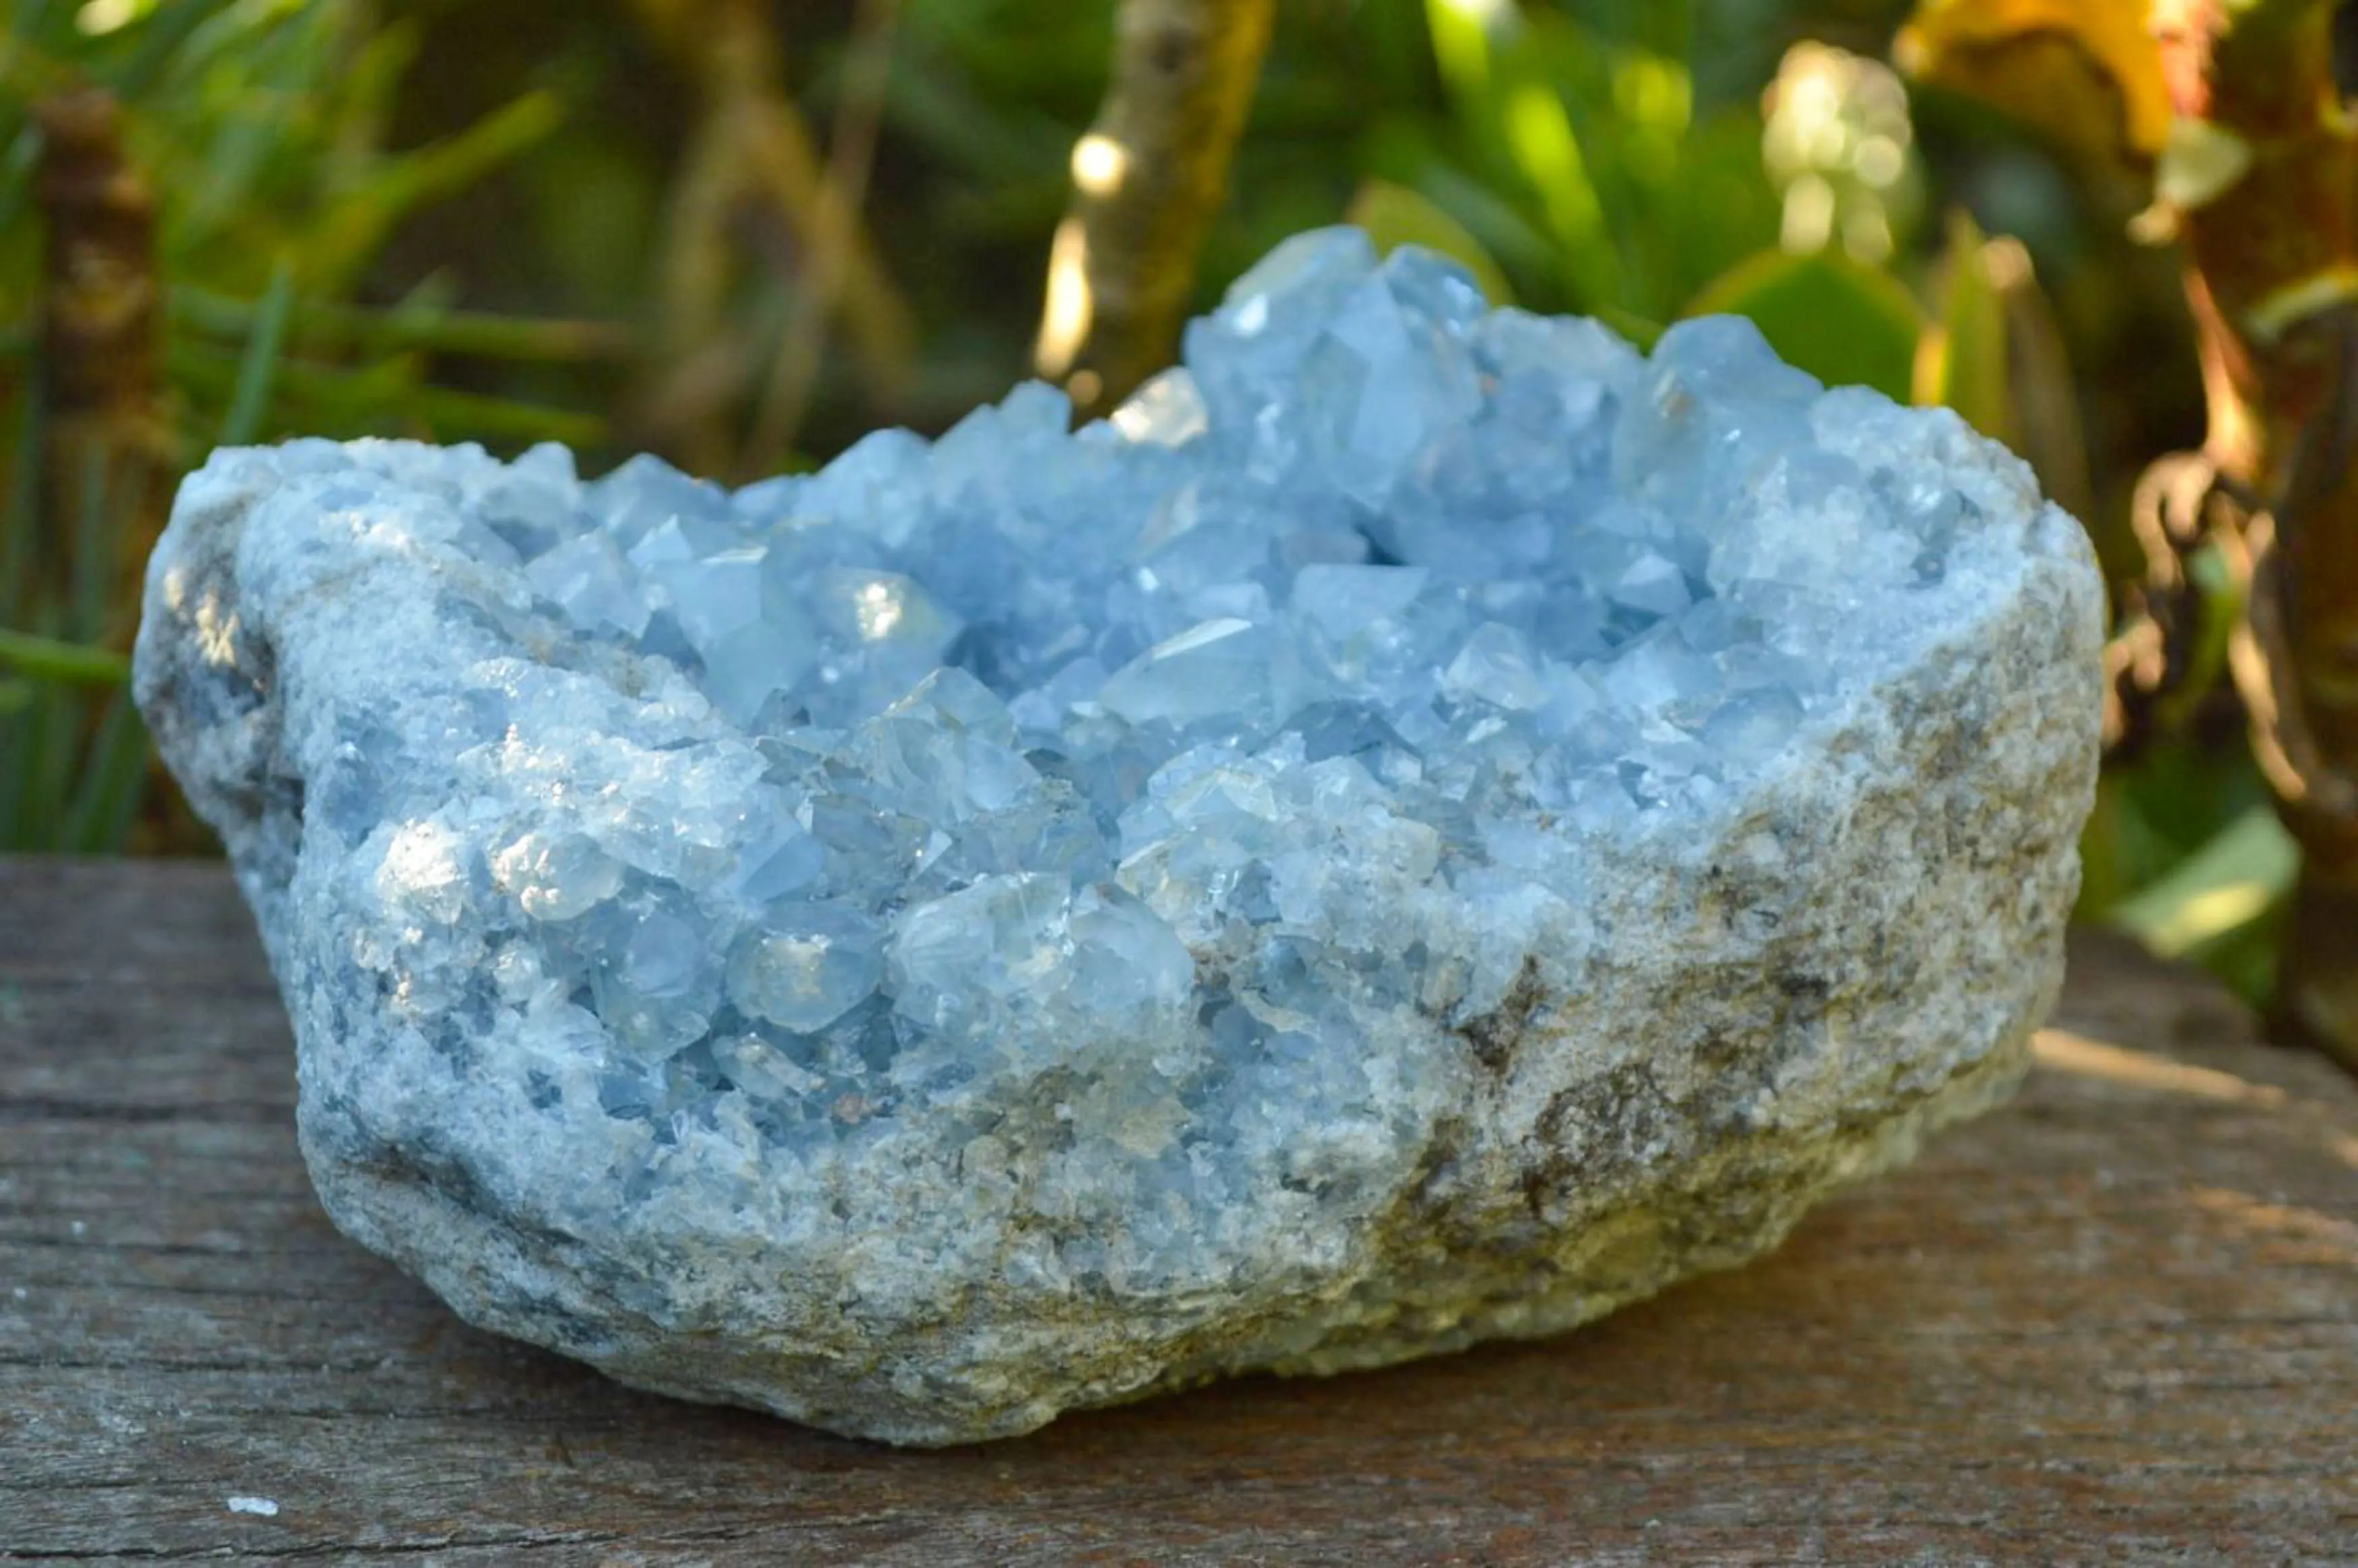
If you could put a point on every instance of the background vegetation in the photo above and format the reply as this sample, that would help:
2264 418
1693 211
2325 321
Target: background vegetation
742 233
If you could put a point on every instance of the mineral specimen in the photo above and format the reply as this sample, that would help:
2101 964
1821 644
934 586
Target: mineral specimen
1426 825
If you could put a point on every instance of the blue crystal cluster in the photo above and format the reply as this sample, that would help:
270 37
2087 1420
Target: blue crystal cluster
1499 560
1161 794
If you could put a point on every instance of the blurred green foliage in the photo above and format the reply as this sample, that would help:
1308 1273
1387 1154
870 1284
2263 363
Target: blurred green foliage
485 220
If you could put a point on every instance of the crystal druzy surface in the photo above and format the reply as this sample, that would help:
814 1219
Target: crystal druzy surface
1425 824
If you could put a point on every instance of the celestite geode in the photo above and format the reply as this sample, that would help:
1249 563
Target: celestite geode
1427 825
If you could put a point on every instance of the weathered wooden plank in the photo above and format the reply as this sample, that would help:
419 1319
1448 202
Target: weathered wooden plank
2119 1319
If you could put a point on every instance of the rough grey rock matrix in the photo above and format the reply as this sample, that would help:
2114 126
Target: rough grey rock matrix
1426 825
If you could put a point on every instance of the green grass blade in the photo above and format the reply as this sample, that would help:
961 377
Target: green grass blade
454 415
939 107
17 702
95 531
250 404
387 399
22 518
42 770
108 795
62 662
163 35
16 175
352 230
480 334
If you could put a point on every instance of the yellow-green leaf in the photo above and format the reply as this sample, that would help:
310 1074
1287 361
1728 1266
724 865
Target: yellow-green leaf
1394 215
1961 361
1492 62
1995 352
2225 886
1843 322
2086 73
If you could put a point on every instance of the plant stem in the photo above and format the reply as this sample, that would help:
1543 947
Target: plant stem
2261 180
1148 180
749 150
852 154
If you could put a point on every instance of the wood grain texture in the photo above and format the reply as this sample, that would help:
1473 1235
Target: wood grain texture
2117 1321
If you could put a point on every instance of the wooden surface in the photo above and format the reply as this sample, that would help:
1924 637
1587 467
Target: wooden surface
2117 1321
